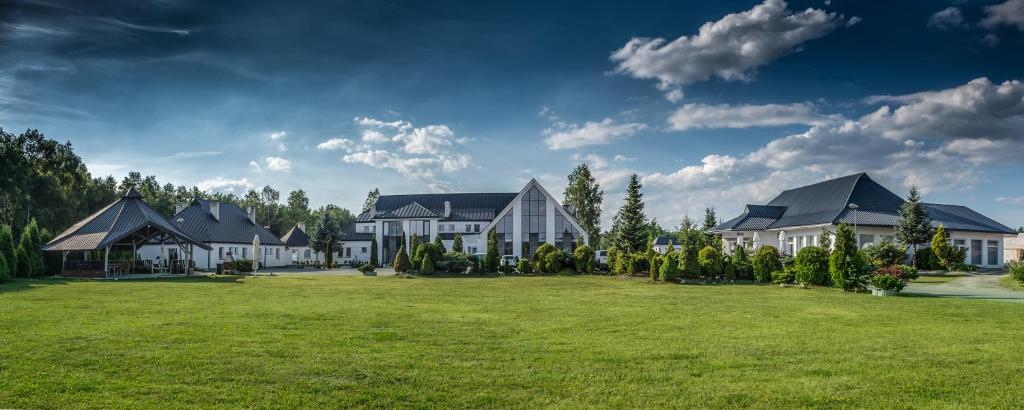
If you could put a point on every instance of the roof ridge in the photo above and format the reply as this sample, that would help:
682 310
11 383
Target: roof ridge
853 187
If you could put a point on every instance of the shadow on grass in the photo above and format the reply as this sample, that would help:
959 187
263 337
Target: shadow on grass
19 285
35 283
955 295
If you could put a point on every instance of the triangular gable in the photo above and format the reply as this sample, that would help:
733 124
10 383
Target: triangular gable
558 207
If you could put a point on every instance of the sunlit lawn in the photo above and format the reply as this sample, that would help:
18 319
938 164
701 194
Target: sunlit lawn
936 279
526 342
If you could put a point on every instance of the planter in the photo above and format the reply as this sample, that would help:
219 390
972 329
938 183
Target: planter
883 292
369 273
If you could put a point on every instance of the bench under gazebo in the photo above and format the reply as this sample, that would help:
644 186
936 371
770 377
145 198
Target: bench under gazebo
117 229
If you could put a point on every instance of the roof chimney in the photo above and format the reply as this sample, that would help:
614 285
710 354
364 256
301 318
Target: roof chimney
447 209
178 207
252 215
215 210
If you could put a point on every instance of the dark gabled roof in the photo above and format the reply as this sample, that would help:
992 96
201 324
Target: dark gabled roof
665 240
234 225
116 221
350 233
295 237
828 202
465 206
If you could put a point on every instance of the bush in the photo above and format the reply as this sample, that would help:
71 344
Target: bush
583 260
926 259
427 263
540 258
613 259
811 266
401 263
741 262
640 263
710 261
669 269
845 264
885 253
784 276
887 282
7 252
367 269
730 269
950 257
523 266
766 260
554 260
490 263
688 265
244 265
655 271
454 262
1016 270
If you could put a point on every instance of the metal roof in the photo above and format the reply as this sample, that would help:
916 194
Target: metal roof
115 222
665 240
828 202
464 206
351 234
295 237
233 226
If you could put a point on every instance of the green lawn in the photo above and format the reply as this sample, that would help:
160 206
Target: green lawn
525 342
935 279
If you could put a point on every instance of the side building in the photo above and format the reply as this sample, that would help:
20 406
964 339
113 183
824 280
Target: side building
796 217
228 231
522 222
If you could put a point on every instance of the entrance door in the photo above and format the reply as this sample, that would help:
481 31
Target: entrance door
975 252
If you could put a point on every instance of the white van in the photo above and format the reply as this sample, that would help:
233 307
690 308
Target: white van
601 256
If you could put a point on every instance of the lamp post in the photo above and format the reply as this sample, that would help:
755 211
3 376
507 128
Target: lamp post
855 233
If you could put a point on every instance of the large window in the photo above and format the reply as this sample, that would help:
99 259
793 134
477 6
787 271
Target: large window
993 252
534 221
566 234
503 232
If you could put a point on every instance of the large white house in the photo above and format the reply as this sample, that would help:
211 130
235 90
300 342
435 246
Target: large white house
228 231
522 221
796 217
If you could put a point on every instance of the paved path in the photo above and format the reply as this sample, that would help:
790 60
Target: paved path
973 286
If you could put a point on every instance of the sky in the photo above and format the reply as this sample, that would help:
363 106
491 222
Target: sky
712 104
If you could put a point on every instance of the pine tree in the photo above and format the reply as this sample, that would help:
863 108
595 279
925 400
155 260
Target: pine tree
915 225
825 242
630 223
28 256
427 265
7 249
457 243
491 260
371 199
373 252
401 262
585 195
440 244
414 247
710 222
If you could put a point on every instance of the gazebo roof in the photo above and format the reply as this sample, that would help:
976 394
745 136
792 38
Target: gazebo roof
115 222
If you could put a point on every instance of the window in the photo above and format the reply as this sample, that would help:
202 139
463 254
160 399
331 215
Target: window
467 228
534 221
440 228
277 253
790 245
244 253
476 228
366 228
993 252
348 252
565 233
220 252
866 239
503 232
362 250
451 227
307 254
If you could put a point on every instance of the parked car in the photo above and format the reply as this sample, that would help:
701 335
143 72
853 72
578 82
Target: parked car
601 256
509 260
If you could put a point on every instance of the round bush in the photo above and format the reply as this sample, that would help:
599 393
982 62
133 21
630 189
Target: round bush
710 261
583 260
766 260
812 266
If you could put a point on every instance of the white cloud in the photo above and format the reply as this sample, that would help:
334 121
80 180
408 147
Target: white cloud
411 167
978 109
1009 13
221 184
947 18
335 144
936 140
281 147
696 116
730 48
192 155
278 135
255 166
623 158
565 136
853 20
1011 200
278 164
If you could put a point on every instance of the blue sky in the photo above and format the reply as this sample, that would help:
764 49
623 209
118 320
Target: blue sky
712 103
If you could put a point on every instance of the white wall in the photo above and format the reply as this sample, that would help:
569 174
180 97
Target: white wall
207 260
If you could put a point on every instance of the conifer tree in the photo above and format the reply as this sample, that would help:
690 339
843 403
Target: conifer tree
7 249
915 225
414 248
845 263
373 252
630 223
401 262
457 243
491 260
440 244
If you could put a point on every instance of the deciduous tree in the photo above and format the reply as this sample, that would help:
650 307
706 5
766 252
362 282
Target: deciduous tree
585 195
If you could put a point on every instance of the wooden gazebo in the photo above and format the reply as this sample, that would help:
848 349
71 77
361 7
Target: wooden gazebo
123 225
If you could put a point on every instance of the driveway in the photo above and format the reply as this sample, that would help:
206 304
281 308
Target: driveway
973 286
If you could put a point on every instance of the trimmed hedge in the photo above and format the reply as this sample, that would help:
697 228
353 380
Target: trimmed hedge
766 260
812 266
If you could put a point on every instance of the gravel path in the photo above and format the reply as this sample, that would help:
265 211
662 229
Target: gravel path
973 286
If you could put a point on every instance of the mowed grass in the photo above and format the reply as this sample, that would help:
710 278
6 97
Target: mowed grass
523 342
938 279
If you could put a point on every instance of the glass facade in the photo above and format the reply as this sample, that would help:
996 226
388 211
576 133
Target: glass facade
565 233
503 232
534 221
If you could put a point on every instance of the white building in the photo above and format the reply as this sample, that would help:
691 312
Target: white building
796 217
522 221
226 229
1014 248
662 243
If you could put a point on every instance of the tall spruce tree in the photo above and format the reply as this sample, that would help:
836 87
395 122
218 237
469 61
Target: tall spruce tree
710 222
585 195
457 243
8 249
631 223
914 226
491 259
373 252
371 199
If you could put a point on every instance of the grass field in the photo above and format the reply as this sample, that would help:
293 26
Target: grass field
936 279
525 342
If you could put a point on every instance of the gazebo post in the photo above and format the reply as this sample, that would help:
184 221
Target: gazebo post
63 261
106 260
134 247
